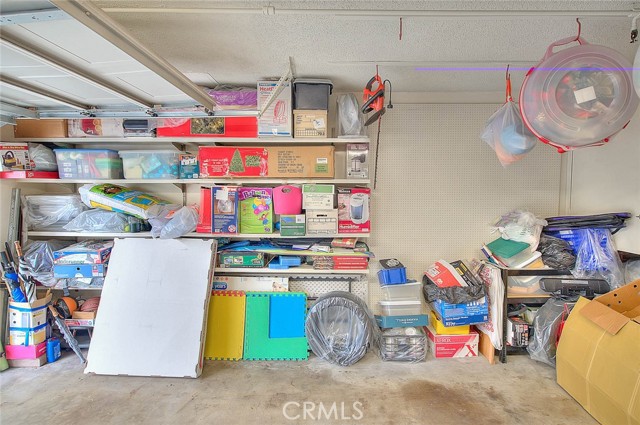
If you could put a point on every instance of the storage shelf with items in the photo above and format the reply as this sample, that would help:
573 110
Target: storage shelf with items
536 299
152 159
109 235
301 270
195 140
227 181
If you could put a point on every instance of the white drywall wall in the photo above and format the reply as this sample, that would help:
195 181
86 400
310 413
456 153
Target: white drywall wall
607 179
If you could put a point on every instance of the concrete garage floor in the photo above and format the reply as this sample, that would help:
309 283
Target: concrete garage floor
439 392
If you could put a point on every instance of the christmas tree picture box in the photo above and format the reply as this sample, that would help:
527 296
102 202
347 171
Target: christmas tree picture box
227 161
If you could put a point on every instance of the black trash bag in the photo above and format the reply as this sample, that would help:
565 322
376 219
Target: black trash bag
340 328
556 253
542 346
452 295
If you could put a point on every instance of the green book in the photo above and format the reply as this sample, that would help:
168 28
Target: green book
506 248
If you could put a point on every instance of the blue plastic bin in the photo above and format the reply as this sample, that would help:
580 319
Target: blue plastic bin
392 276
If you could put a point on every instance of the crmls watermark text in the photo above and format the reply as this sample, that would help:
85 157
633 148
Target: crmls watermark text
312 411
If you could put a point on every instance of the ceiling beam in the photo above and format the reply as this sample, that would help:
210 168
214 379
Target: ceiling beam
415 13
9 109
102 24
28 88
30 17
59 64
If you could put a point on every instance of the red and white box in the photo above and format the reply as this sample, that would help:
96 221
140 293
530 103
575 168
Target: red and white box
353 210
223 161
15 157
451 346
208 127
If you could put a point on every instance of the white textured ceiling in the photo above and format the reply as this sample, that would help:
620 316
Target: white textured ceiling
240 48
243 47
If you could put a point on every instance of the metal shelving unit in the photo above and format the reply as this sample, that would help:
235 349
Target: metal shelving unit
521 298
305 272
107 235
293 271
267 181
197 140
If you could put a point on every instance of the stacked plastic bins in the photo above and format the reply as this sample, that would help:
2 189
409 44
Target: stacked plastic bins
403 337
88 164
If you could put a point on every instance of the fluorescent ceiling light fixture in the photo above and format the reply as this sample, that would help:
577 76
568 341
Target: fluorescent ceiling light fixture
43 57
20 85
13 110
98 21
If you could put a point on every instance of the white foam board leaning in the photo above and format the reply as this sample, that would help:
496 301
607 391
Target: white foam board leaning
153 309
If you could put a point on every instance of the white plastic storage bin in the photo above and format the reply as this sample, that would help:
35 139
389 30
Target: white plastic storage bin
400 307
403 291
151 164
88 164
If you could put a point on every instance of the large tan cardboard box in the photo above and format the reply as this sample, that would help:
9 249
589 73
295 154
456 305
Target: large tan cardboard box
598 357
301 161
27 128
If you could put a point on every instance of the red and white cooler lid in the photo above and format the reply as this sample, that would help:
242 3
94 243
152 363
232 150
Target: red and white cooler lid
580 96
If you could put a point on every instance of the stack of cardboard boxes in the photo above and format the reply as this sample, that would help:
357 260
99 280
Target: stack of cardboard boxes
450 332
28 333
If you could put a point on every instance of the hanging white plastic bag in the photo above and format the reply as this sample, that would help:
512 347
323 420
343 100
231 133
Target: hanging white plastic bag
492 279
506 133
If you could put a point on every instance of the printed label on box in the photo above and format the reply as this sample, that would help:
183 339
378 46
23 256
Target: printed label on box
221 161
15 157
450 346
225 209
353 210
256 209
276 119
357 160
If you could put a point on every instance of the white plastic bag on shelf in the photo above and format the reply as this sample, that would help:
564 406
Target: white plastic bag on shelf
174 223
43 157
491 277
506 133
50 212
521 226
99 220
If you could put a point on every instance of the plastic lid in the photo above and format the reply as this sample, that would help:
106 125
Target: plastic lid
312 81
83 150
150 152
579 96
399 302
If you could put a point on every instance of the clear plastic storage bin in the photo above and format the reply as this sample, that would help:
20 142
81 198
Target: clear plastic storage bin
400 307
151 164
311 93
403 291
403 345
88 164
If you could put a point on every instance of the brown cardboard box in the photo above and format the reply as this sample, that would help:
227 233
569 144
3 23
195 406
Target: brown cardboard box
598 357
30 128
309 124
28 362
300 161
86 315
